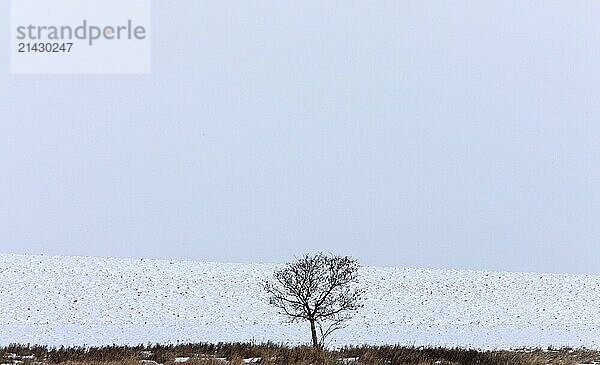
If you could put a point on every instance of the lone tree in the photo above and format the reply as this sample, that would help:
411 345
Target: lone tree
320 289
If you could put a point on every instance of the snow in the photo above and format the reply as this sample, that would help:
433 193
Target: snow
252 360
98 301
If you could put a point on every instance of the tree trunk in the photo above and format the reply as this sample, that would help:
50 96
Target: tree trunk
313 332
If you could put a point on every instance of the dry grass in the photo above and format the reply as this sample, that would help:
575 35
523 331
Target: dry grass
272 354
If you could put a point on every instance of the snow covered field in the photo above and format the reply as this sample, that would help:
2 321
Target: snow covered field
95 301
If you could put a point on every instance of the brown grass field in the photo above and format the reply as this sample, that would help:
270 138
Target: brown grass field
273 354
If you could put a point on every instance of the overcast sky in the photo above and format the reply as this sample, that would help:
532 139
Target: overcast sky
422 134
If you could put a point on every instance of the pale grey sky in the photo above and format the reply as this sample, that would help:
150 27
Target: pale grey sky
438 134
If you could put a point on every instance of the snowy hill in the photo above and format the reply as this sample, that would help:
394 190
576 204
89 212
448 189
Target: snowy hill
94 301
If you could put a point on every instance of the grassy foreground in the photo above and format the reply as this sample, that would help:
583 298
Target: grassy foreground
272 354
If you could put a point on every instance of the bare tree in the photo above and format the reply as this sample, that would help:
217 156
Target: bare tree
320 289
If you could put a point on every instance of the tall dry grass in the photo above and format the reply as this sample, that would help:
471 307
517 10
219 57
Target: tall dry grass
273 354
